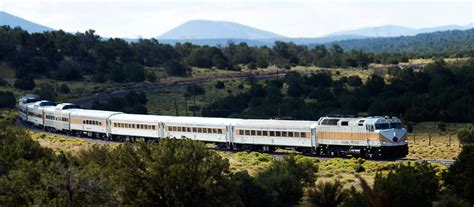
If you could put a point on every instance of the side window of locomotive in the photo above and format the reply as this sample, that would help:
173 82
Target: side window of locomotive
361 122
344 123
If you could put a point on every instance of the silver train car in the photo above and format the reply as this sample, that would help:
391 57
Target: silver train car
371 137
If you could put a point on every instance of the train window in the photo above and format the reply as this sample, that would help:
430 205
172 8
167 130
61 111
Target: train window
297 134
209 130
194 129
283 134
84 121
199 130
219 131
361 122
241 132
247 132
290 134
329 121
153 127
252 132
265 133
278 133
204 130
272 133
215 131
344 123
259 133
174 129
303 134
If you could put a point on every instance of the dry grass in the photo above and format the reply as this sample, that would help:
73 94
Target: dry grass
440 147
67 144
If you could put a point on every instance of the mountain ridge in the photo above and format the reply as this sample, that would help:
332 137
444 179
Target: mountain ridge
209 29
16 21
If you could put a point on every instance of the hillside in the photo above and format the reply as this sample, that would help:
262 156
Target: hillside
447 42
396 30
206 29
14 21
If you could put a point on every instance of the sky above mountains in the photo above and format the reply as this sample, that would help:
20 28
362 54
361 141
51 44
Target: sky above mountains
297 18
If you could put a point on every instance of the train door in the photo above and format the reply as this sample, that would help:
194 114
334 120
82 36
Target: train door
314 138
230 135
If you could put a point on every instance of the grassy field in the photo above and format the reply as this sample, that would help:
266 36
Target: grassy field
440 147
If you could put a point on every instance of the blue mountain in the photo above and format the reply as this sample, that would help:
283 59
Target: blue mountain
14 21
206 29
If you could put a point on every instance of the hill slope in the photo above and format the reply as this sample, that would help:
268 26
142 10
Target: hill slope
14 21
395 30
447 42
206 29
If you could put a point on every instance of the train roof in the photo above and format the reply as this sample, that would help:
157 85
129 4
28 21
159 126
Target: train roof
29 97
65 106
355 121
138 118
44 103
92 114
272 123
200 120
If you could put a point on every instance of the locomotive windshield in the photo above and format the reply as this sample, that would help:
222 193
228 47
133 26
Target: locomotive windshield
382 126
396 125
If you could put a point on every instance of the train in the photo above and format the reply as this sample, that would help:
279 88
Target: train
332 135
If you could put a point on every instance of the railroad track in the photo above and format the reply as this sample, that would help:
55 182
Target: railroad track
276 155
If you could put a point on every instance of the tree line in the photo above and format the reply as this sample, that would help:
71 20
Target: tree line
454 43
439 92
182 172
65 56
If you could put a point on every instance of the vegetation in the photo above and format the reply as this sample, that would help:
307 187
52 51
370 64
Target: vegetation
71 57
446 42
7 99
130 103
459 176
408 94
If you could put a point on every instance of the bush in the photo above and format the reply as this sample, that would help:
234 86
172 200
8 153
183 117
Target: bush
449 200
46 91
220 85
64 88
3 82
327 194
459 176
354 80
252 66
354 199
7 99
151 77
408 185
441 126
134 72
466 135
24 83
194 89
176 68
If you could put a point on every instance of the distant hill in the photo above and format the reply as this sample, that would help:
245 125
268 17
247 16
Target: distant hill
446 42
14 21
395 30
206 29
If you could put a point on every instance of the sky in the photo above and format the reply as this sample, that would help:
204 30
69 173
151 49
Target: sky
292 18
